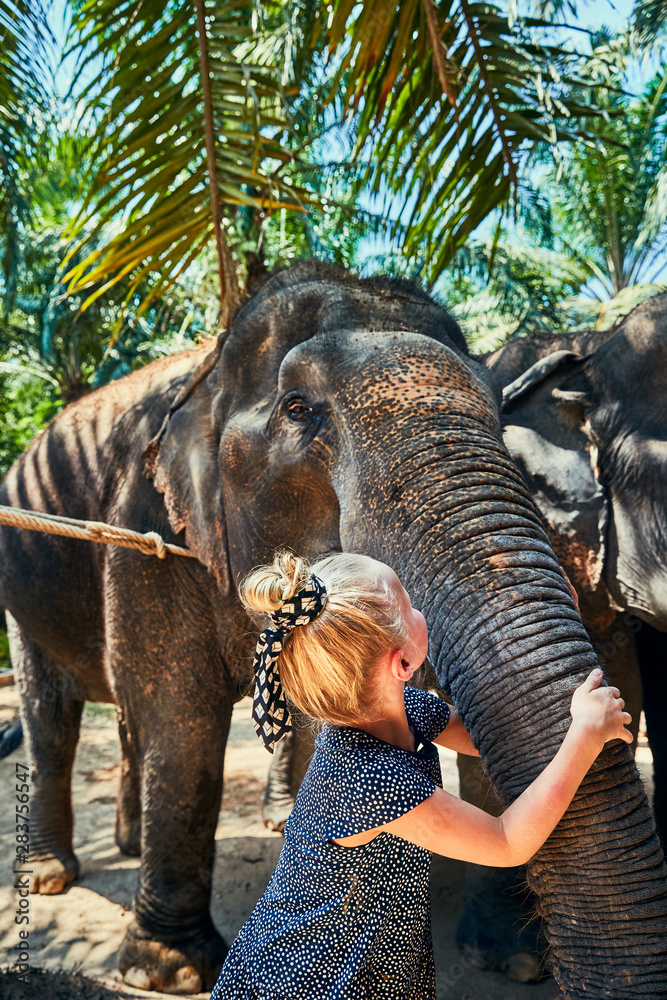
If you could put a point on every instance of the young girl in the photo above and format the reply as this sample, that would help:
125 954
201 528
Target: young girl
346 915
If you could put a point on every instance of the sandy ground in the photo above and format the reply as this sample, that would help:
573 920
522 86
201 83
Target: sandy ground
83 928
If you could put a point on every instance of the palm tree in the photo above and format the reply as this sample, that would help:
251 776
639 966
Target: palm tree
453 100
195 124
592 232
508 285
45 335
607 196
188 119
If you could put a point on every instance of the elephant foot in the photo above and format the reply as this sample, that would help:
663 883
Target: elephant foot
52 875
275 813
128 836
524 967
190 967
521 967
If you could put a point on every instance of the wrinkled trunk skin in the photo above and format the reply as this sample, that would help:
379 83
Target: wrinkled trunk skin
508 644
497 922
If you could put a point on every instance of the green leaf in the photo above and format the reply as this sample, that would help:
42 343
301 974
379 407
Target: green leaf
24 41
448 136
184 128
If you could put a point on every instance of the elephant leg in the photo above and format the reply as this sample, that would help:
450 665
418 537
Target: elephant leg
290 762
175 691
652 654
172 944
617 650
51 707
497 928
278 797
128 806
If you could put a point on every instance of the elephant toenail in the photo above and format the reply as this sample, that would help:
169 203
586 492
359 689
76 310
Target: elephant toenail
523 967
138 978
186 980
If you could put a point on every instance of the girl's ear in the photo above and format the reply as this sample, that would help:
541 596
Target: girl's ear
399 666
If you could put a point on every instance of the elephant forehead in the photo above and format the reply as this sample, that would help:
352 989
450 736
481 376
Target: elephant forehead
632 364
313 296
386 366
271 325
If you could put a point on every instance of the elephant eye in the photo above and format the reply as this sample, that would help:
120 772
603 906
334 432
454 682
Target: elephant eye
298 410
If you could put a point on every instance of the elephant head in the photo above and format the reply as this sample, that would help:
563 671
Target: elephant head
347 414
590 435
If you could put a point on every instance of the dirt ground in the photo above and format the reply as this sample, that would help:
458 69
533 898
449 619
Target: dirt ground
81 930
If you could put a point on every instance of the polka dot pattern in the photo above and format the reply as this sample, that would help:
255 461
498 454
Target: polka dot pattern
341 923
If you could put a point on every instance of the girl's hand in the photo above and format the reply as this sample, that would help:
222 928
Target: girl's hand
599 710
446 825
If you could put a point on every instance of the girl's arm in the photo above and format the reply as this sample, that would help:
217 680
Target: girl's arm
446 825
455 737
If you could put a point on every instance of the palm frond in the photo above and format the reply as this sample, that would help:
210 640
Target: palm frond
24 38
521 285
648 19
609 198
449 101
602 315
187 129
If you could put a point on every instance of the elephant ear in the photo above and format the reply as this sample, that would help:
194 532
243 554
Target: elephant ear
536 374
182 460
548 433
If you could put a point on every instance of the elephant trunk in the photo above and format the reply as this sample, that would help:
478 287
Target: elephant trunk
508 644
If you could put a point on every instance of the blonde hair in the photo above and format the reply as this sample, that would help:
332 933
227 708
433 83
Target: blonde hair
326 666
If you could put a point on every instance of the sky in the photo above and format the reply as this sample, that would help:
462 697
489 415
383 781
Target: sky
602 12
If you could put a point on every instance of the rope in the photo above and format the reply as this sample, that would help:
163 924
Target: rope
151 543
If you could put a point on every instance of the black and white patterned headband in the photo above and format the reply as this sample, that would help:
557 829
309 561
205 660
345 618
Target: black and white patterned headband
270 713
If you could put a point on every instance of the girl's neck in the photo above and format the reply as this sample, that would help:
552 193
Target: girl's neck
390 731
392 726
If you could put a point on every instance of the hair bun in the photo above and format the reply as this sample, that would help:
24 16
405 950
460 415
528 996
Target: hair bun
265 588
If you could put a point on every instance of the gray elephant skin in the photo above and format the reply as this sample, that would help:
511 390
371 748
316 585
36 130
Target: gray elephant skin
337 414
585 418
587 424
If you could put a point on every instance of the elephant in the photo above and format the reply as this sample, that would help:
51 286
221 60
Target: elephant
584 417
589 432
337 414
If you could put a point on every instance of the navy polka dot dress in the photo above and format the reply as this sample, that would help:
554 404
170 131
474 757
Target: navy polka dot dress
347 923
